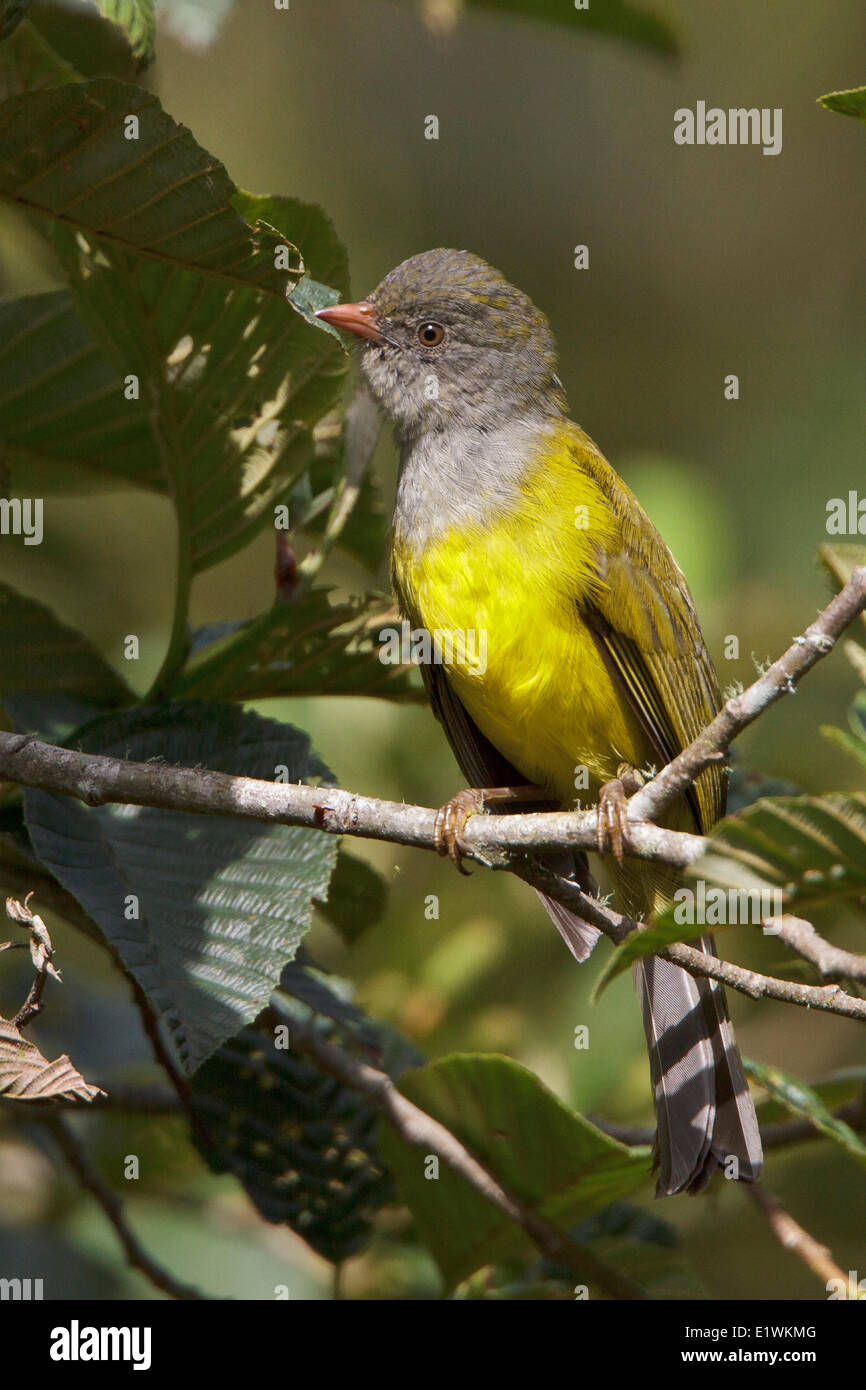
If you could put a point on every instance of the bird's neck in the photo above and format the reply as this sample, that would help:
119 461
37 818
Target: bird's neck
464 475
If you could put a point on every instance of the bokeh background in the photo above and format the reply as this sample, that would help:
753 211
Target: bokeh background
703 262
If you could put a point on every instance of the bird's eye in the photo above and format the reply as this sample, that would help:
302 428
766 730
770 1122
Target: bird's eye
430 334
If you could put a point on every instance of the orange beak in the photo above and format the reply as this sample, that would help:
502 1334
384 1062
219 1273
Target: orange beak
359 319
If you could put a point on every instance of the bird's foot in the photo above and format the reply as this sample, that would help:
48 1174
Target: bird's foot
452 817
613 810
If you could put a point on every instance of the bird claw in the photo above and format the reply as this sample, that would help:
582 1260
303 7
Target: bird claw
613 811
450 822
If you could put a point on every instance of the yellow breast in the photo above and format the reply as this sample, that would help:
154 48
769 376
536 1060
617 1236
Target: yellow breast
528 670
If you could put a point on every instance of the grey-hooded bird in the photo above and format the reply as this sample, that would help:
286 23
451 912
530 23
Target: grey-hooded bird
510 522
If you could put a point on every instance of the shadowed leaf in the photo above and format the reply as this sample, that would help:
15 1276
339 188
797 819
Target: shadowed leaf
556 1162
203 911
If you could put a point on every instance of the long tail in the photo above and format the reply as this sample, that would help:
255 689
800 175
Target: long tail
704 1112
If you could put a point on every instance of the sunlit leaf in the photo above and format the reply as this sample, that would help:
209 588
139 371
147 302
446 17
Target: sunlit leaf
308 647
26 1075
802 1100
203 911
848 103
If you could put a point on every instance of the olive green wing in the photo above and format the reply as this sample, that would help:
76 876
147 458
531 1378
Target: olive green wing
644 621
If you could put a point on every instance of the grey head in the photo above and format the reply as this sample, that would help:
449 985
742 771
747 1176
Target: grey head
446 341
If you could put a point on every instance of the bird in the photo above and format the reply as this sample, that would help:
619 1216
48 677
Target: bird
508 520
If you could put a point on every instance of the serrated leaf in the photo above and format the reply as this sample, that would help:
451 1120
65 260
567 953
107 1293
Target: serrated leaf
303 647
62 401
551 1158
848 103
26 1075
789 854
222 904
802 1100
233 384
39 653
65 159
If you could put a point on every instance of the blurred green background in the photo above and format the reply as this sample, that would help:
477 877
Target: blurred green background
703 262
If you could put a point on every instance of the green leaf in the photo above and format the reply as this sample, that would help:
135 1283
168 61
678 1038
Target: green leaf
136 19
790 854
296 648
67 159
324 256
617 18
222 904
802 1100
634 1242
848 103
28 61
840 1087
556 1162
303 1146
62 401
38 653
26 1075
854 747
233 384
357 897
853 744
813 848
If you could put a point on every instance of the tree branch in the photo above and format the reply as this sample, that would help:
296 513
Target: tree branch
79 1161
793 1237
98 780
831 962
421 1130
741 710
498 841
831 998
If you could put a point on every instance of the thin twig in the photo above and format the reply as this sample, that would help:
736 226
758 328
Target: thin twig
41 953
79 1161
793 1237
831 962
741 710
418 1128
829 998
781 1134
